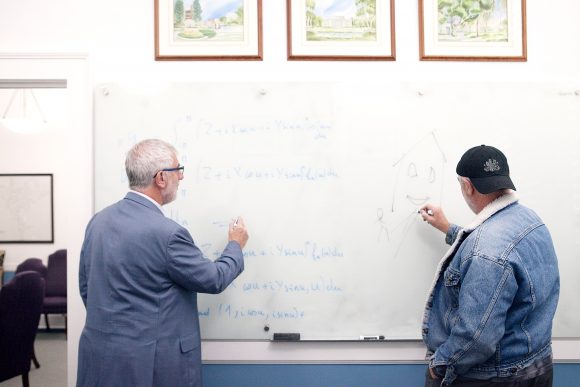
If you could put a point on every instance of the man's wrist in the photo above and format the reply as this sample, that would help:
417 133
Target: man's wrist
451 234
433 374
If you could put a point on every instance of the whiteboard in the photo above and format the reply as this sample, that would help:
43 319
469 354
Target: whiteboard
328 177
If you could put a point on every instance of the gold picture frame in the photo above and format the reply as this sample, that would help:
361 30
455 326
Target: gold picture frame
208 30
341 30
484 30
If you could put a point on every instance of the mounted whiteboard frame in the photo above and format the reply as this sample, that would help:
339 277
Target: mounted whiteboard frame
566 350
26 208
249 351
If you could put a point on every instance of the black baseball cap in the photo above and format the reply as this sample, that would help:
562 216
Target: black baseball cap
487 168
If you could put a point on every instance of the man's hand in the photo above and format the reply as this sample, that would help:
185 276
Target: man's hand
432 373
238 232
435 216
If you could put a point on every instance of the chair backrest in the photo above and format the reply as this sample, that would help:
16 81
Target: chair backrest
20 307
32 264
2 253
56 274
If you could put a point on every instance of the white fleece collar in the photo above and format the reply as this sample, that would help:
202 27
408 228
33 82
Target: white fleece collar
493 207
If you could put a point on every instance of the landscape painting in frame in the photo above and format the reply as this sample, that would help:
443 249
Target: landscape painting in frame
486 30
341 29
208 29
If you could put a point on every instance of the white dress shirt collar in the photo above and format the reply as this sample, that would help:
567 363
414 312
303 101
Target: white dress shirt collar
148 198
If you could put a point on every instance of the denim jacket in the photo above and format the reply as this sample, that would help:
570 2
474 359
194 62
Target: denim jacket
490 309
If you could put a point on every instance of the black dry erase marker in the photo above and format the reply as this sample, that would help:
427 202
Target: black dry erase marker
378 337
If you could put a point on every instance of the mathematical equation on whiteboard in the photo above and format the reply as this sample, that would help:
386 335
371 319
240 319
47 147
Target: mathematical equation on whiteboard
228 311
234 311
302 173
316 129
308 249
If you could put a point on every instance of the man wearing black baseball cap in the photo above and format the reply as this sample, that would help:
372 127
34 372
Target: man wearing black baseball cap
487 168
488 318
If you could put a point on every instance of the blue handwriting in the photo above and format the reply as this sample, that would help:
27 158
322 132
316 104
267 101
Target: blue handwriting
322 285
308 249
301 173
316 128
247 313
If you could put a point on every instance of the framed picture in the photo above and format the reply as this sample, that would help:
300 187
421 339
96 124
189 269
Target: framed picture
341 29
478 30
208 30
26 208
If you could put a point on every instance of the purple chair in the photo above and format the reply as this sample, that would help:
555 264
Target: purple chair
33 264
20 307
55 292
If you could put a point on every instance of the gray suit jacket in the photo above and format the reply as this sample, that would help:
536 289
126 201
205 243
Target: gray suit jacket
139 276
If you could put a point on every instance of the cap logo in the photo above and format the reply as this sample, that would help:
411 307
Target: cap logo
491 165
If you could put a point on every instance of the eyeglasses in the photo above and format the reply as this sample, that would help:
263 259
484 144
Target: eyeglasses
179 168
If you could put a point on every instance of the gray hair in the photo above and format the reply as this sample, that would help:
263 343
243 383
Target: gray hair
145 159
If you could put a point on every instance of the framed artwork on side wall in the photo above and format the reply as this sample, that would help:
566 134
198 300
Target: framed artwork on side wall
341 29
208 30
26 208
478 30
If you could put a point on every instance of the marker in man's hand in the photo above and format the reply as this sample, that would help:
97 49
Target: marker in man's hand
236 221
429 212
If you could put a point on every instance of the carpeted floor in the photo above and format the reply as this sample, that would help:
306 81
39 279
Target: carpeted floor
51 353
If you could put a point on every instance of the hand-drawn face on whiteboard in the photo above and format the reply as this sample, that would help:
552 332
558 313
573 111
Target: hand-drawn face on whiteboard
419 180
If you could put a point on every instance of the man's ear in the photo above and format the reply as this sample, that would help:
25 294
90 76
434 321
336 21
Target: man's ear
467 186
160 180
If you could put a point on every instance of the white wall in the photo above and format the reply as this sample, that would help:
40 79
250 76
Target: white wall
118 38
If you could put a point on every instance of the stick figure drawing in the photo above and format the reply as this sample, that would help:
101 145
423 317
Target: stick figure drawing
419 179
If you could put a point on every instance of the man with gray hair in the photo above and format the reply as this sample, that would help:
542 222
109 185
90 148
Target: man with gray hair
139 276
488 318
